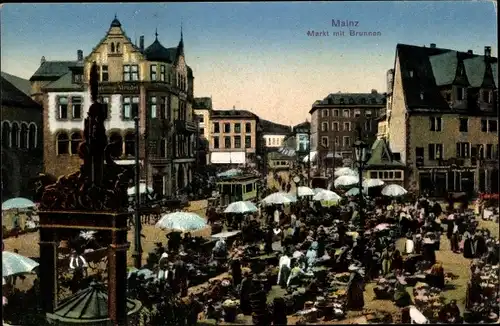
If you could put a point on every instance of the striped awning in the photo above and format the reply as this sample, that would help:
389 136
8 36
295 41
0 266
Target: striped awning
286 151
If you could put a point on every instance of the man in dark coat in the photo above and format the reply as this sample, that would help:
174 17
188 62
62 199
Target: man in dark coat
355 299
236 272
479 245
279 312
246 289
468 246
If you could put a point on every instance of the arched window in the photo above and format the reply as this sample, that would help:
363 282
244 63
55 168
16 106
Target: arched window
23 138
14 135
6 134
118 47
130 144
76 139
118 148
62 144
112 47
32 136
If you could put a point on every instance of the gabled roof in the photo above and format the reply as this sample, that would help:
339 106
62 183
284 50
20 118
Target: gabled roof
233 114
52 69
65 82
303 125
21 84
475 69
12 96
373 98
381 156
424 70
269 127
444 67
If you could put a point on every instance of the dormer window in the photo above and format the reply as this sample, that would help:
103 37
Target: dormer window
351 101
77 78
411 73
486 96
341 101
460 93
363 101
374 101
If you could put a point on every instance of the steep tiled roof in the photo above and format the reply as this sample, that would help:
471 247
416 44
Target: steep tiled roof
53 69
475 69
13 96
269 127
157 52
302 125
65 82
381 156
233 114
22 84
444 67
202 103
422 75
494 70
353 98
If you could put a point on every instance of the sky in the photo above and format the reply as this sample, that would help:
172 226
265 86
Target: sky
255 56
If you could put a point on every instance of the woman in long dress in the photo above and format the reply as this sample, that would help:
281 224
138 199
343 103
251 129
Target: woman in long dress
355 299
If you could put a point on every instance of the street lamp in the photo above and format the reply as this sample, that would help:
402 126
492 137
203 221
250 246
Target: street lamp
360 150
137 254
296 179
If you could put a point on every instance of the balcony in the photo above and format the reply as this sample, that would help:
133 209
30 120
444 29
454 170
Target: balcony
185 127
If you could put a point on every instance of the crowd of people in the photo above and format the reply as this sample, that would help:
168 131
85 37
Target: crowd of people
314 262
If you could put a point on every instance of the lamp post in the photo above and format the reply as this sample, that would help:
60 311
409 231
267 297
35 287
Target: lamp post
308 147
137 254
296 179
361 159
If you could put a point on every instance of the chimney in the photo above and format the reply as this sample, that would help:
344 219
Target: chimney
487 51
42 61
141 43
470 52
79 55
433 45
374 91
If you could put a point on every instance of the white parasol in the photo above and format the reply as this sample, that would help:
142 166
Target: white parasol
13 264
345 171
241 207
346 181
279 198
371 183
394 191
183 221
327 195
305 191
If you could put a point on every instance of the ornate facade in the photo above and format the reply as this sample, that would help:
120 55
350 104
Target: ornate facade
154 84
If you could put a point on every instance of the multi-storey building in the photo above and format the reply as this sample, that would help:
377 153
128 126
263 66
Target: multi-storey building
22 154
273 134
335 119
443 118
153 84
202 108
234 137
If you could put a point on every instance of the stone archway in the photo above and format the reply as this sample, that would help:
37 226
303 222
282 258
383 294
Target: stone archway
180 177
